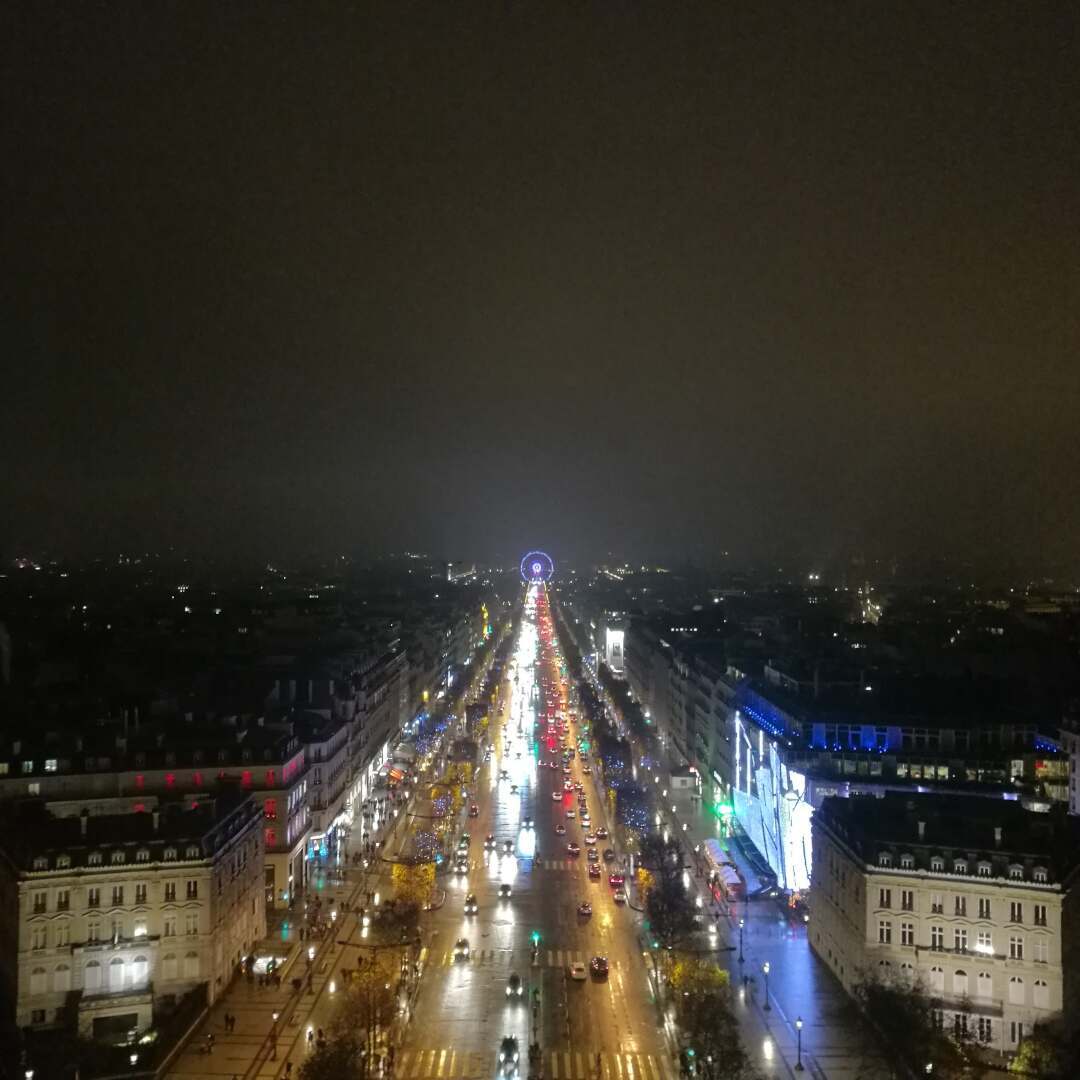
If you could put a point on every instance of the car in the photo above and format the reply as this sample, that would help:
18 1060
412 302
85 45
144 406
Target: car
474 810
471 906
464 842
598 965
584 910
489 842
609 855
585 819
514 787
593 856
505 891
514 989
461 949
527 823
601 834
508 847
509 1054
566 770
616 879
568 787
573 849
587 770
579 787
560 830
577 971
594 872
461 866
556 796
619 896
571 813
503 774
590 838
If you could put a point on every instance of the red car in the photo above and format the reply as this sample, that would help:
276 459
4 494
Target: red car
615 880
573 849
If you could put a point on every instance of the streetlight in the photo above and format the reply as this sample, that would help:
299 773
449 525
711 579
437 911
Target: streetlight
742 924
798 1033
273 1036
765 972
134 1059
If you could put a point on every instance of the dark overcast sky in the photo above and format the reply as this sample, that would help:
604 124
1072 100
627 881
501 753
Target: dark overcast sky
472 277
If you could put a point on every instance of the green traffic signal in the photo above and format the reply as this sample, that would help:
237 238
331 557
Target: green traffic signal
536 937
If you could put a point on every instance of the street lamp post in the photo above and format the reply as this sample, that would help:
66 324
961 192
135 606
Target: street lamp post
273 1037
765 972
798 1033
742 925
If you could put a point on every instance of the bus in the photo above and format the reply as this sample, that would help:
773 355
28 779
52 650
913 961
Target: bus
724 877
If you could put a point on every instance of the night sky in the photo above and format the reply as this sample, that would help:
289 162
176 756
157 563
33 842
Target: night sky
470 278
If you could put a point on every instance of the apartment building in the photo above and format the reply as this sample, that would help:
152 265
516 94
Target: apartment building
114 915
973 900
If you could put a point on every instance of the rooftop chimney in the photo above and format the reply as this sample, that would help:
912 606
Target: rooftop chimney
922 830
997 836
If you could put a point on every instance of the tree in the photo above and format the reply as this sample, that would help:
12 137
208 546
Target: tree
902 1015
668 905
1050 1052
413 882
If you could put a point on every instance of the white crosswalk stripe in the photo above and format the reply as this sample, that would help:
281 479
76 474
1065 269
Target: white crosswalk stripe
444 1064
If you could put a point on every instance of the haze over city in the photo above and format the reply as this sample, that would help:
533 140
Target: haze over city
784 282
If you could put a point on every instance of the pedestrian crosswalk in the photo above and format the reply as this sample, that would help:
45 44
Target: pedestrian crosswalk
558 864
555 1064
548 958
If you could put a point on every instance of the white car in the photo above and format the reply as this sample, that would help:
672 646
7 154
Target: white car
577 971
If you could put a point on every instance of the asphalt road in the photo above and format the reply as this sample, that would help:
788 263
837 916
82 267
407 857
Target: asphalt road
462 1009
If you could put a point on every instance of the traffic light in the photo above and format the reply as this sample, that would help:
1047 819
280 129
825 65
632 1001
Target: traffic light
535 938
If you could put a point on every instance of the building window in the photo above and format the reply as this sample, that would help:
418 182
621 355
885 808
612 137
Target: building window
1016 1031
140 928
960 983
1040 949
270 809
39 937
937 863
62 979
1016 873
63 899
117 895
885 898
170 891
884 932
984 907
95 858
907 862
140 893
907 933
169 854
1042 994
41 862
1016 947
937 904
192 852
1016 990
1039 875
93 932
984 985
937 937
63 862
1039 915
168 926
984 869
192 890
63 934
117 857
960 939
1016 911
884 858
37 1016
907 899
41 903
985 1030
191 924
960 905
959 867
142 855
984 943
